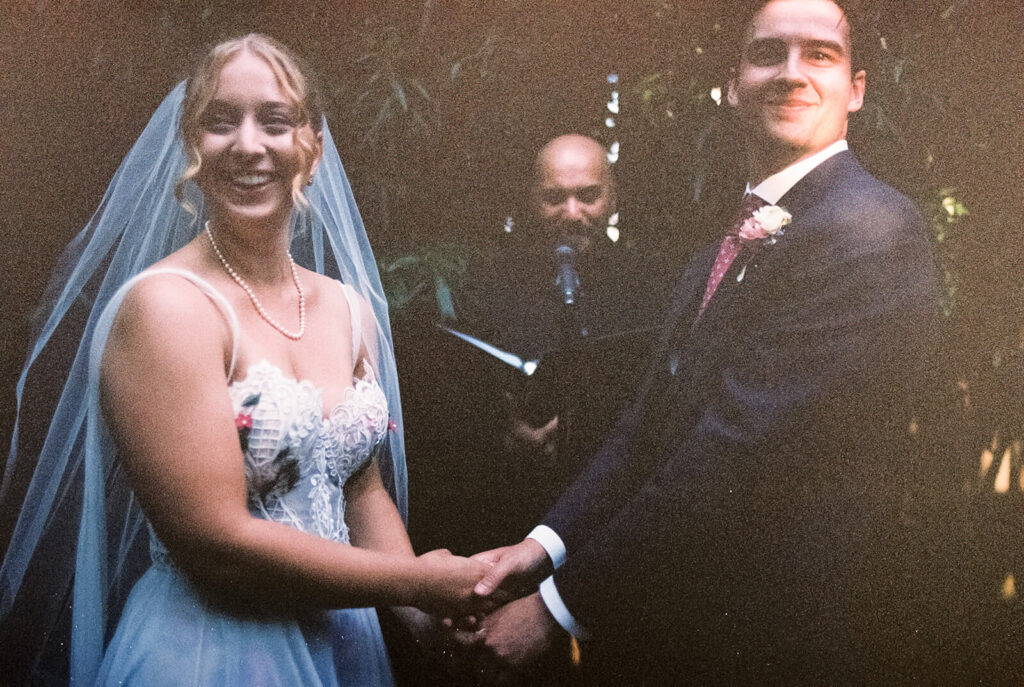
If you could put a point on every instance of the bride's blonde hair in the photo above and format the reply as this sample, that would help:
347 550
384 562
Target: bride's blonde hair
292 76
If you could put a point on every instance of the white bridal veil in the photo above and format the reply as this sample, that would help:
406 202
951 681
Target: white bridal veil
77 492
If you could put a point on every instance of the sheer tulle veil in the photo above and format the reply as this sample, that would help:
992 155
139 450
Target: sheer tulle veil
77 491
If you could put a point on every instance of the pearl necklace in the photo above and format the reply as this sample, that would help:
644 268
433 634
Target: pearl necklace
295 336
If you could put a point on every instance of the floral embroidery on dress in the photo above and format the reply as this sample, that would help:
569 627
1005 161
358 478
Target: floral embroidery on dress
297 461
264 480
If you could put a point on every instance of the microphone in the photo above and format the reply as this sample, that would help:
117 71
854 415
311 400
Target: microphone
567 280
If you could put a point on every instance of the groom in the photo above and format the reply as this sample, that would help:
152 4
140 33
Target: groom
746 522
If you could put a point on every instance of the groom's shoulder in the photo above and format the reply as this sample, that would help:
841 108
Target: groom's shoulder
857 183
848 197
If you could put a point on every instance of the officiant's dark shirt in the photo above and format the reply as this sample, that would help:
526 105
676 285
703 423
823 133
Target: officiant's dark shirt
470 488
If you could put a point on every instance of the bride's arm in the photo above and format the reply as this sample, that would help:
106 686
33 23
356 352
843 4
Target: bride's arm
374 523
163 391
373 520
371 515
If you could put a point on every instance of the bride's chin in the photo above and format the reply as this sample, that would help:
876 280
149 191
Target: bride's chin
252 216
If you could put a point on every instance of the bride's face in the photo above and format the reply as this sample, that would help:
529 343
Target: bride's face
249 146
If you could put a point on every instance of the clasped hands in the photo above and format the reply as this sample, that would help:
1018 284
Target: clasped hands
511 627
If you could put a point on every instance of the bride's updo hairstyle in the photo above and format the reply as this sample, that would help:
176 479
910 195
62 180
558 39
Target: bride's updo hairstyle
294 79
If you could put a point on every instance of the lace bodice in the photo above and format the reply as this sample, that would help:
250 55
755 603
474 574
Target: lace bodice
296 460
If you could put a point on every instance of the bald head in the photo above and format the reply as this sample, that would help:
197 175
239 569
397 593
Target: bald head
573 195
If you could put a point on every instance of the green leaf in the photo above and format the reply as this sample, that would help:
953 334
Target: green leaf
396 86
403 262
382 116
445 302
418 85
243 438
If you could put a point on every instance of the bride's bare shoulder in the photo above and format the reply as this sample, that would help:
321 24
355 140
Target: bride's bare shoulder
168 292
168 310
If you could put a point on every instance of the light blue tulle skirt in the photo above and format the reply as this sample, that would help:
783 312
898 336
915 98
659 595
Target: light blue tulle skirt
169 635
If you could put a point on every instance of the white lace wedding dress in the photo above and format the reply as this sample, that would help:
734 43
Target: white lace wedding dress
297 460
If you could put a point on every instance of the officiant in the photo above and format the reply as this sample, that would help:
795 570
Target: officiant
553 327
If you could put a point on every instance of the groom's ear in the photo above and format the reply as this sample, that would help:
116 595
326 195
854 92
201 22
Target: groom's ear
730 92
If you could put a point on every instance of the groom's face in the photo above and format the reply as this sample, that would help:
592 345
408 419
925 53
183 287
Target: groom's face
795 88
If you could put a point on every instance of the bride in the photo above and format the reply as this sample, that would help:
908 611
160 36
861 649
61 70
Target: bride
247 401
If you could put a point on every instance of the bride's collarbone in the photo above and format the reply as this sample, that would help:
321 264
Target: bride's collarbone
322 356
327 317
328 368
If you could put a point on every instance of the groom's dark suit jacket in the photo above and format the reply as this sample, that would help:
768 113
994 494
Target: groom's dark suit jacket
756 516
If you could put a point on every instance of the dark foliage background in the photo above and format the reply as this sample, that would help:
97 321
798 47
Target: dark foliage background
439 105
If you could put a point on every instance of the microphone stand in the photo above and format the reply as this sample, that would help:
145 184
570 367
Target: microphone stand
570 380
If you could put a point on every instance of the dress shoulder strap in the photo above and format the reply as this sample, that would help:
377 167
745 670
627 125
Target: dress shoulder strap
356 315
213 294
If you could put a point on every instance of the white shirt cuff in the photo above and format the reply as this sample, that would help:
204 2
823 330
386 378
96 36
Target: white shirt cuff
551 542
553 600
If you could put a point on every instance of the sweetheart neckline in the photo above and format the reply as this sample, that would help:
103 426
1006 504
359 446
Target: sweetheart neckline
347 393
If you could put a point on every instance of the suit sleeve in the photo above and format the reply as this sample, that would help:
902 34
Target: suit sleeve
616 471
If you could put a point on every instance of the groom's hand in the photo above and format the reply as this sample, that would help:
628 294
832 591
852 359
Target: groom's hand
516 634
516 570
455 647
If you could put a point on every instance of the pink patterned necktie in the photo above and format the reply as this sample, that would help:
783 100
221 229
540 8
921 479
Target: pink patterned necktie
730 248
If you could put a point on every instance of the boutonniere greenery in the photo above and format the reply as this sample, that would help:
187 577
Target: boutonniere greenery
760 230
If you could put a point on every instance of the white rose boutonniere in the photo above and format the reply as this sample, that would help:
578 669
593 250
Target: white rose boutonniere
762 229
764 226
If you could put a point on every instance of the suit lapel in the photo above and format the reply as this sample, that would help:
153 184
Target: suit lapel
729 308
688 295
814 187
694 282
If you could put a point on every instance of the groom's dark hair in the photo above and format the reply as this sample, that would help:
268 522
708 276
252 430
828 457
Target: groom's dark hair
860 20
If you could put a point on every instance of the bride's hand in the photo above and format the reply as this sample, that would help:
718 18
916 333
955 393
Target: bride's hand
450 580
